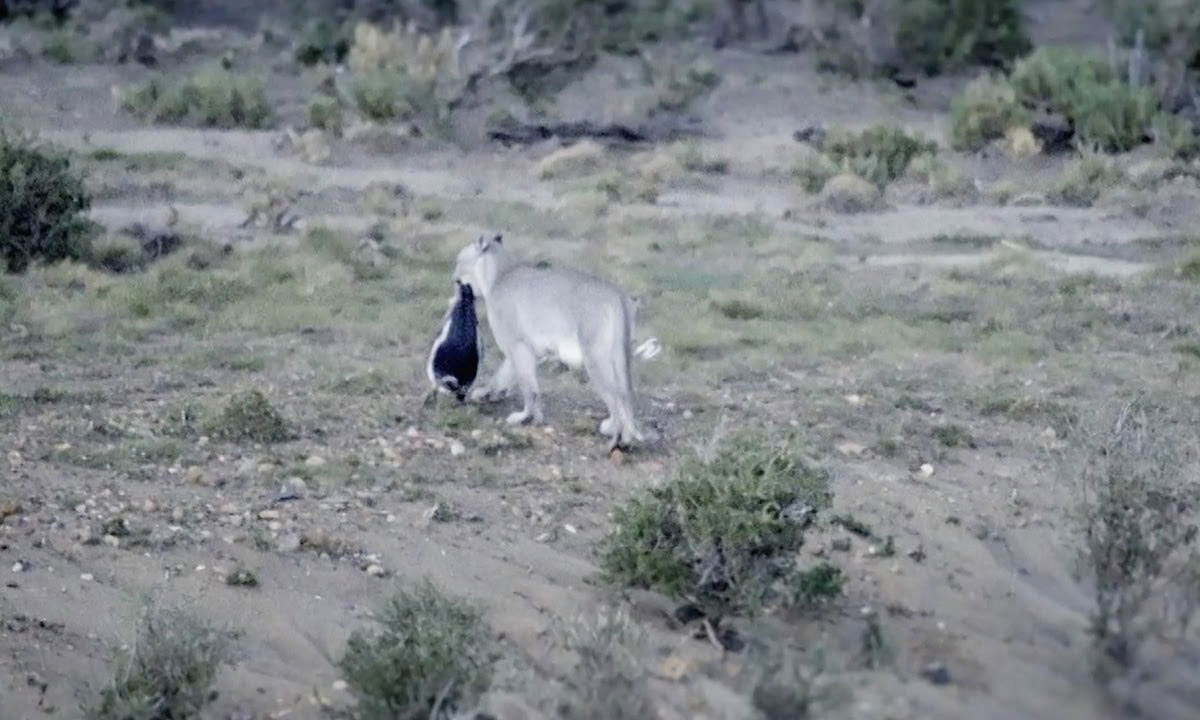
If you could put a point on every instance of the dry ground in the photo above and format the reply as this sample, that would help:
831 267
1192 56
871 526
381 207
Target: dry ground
959 334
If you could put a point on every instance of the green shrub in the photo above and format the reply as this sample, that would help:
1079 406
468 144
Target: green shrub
383 95
940 35
322 41
723 534
813 169
1171 27
429 658
880 154
43 204
169 671
211 97
325 113
984 112
1104 110
248 416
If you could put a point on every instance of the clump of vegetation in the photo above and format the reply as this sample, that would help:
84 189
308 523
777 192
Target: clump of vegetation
693 159
210 97
723 534
880 154
985 111
321 41
429 657
608 681
325 113
940 36
241 577
813 169
43 204
1171 28
1138 507
951 435
816 585
169 671
248 416
930 36
1083 183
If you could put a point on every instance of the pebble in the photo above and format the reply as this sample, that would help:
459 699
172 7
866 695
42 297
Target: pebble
268 515
293 489
87 577
111 540
850 449
149 505
376 570
936 673
18 567
196 476
457 448
14 459
315 461
927 470
340 686
177 514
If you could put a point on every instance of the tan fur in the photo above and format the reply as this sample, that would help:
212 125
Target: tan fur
539 313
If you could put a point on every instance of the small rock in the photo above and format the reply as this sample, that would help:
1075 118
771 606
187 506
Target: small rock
340 686
87 577
618 457
1050 433
926 470
375 570
177 514
9 507
544 537
315 461
289 542
675 668
570 528
266 468
111 540
18 567
457 448
14 459
149 505
936 673
196 476
293 489
268 515
850 449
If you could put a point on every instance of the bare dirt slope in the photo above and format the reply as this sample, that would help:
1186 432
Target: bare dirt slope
879 331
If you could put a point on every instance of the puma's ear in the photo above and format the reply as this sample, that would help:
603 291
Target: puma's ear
481 243
498 239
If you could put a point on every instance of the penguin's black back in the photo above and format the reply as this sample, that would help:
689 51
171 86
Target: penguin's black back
457 356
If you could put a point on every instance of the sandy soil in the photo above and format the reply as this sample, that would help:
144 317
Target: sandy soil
985 579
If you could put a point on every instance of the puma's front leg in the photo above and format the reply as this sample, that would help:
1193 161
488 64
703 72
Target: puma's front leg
498 386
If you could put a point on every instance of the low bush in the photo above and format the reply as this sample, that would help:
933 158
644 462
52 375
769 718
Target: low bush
1139 509
249 416
723 534
428 658
43 204
985 111
211 97
880 154
168 672
941 35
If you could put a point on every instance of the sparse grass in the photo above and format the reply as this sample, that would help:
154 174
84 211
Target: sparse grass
693 159
1083 183
608 682
43 205
1138 508
168 672
210 97
723 533
951 435
876 652
852 524
428 657
815 586
248 416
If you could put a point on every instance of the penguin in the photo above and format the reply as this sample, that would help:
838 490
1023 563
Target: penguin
454 359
